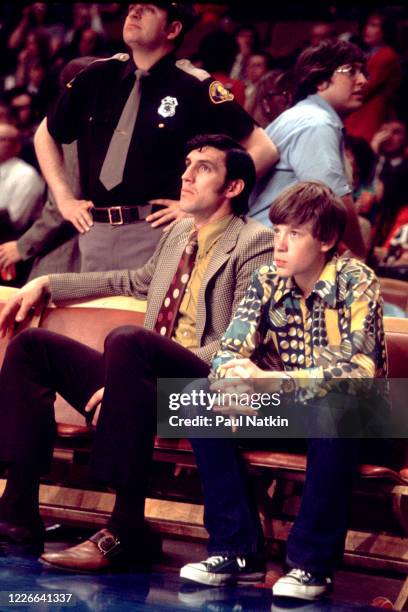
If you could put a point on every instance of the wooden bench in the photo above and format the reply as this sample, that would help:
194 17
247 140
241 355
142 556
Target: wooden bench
67 496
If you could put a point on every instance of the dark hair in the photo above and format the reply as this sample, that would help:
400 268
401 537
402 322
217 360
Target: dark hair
273 83
42 39
364 157
317 64
396 118
74 67
315 203
238 164
178 11
266 55
217 51
256 43
388 26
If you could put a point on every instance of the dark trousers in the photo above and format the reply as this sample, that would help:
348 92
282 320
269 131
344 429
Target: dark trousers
316 540
39 363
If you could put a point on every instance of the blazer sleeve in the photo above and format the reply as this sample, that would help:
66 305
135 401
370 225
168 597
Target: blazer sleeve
256 253
88 285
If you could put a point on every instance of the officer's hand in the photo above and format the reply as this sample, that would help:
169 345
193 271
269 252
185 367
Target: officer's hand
171 212
77 212
19 305
93 407
9 254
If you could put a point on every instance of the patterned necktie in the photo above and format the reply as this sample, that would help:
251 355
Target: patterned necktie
115 159
169 309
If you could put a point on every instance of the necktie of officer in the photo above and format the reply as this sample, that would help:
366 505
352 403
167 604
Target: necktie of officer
169 309
113 166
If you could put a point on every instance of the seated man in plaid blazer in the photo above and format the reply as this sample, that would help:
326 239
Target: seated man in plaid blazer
193 284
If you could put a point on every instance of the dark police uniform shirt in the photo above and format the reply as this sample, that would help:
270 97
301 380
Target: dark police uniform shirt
178 102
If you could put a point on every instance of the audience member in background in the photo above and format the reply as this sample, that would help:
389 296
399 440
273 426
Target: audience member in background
86 41
366 185
112 15
5 112
397 244
217 52
320 31
43 86
390 144
26 118
384 77
248 42
121 181
51 243
391 260
360 167
257 65
402 101
21 194
273 95
329 82
21 187
35 51
37 15
84 15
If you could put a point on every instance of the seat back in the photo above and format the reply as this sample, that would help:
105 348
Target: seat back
88 322
5 295
395 292
396 337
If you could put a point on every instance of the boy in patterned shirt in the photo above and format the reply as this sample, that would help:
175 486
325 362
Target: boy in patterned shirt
323 314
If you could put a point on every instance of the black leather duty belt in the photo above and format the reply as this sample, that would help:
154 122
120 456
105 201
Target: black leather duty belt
121 215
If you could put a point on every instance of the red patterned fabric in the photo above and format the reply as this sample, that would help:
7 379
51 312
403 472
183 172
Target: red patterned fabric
169 309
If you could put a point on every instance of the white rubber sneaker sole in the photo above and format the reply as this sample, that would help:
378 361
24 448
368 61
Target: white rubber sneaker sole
195 572
285 587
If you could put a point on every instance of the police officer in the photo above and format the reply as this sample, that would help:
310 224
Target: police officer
131 132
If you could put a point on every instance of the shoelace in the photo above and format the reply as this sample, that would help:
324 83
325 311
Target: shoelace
300 574
215 560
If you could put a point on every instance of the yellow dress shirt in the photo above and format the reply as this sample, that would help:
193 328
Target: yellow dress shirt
185 327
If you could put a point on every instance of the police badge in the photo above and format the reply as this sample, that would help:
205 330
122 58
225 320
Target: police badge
219 93
168 106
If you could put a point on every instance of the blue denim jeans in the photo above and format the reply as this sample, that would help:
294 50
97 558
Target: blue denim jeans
316 540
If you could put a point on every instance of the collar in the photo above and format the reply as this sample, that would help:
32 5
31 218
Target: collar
325 287
319 101
394 162
9 163
160 66
210 233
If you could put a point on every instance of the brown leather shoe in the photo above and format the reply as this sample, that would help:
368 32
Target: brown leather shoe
101 552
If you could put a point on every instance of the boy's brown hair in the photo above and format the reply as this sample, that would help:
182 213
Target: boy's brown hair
315 203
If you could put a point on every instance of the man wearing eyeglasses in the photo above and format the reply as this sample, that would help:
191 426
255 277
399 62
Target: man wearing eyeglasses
330 81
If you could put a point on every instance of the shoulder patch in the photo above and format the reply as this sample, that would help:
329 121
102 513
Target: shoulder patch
121 57
219 93
186 66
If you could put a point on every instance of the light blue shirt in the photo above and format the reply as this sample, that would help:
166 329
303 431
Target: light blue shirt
309 137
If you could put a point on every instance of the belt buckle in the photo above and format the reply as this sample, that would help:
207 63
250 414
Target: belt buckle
116 209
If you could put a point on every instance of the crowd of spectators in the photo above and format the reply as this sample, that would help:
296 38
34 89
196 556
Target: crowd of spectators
38 39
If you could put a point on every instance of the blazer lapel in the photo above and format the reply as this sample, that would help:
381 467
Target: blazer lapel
221 254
